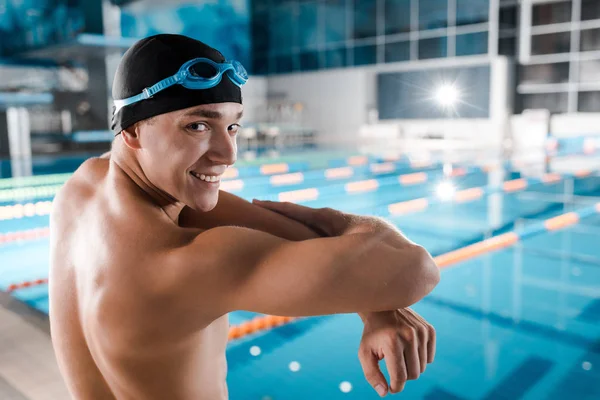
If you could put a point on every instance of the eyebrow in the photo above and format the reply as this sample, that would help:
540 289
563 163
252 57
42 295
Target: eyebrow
209 114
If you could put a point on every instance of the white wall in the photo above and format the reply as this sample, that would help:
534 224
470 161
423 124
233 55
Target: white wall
254 94
335 101
338 101
575 124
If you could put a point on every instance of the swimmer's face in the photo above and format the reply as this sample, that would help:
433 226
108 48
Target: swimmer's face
185 152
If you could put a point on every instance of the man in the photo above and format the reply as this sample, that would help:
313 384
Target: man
148 257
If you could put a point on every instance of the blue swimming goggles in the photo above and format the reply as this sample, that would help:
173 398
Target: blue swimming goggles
199 73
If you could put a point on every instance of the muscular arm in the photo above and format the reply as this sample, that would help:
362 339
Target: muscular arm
235 268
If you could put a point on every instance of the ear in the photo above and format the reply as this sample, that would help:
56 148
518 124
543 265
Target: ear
131 136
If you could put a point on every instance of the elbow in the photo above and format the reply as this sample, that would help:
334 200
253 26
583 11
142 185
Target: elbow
424 276
430 272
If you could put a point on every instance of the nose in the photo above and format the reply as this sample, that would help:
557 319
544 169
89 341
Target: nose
223 148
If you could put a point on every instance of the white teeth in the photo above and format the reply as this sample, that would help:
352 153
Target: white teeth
207 178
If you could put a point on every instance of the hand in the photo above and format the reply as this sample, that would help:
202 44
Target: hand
406 342
325 221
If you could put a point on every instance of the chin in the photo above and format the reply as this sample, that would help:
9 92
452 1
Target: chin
205 204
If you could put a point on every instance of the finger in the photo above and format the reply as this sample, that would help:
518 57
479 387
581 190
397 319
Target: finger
431 343
373 374
396 366
419 326
411 357
430 333
422 344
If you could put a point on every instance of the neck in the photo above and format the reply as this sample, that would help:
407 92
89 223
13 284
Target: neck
128 164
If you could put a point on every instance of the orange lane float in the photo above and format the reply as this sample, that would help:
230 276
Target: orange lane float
561 221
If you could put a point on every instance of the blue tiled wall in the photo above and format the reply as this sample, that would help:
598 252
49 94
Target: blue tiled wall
28 24
223 24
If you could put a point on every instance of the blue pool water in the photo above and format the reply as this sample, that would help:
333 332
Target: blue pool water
519 323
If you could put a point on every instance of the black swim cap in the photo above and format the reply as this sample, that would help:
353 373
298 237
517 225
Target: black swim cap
155 58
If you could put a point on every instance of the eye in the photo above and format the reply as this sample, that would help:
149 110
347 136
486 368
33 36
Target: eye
198 127
233 129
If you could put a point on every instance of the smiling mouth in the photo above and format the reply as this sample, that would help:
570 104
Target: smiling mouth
206 178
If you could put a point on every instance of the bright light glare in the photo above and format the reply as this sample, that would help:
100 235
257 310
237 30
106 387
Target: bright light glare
447 96
445 191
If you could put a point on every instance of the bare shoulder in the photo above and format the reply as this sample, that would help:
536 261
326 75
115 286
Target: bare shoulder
77 190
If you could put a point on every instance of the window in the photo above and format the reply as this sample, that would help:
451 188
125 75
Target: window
472 11
508 17
551 13
589 101
590 39
307 25
309 61
282 28
433 14
507 46
553 102
397 16
589 71
284 64
551 43
260 65
471 44
590 9
335 16
260 31
365 18
335 58
398 51
408 94
545 73
433 48
364 55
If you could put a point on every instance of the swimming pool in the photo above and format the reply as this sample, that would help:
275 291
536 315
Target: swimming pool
520 322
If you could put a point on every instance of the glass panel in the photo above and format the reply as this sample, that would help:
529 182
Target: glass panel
551 13
551 43
365 18
397 16
545 73
408 94
307 23
364 55
589 101
433 14
260 65
508 17
284 64
398 51
282 28
590 9
589 71
260 31
554 102
433 48
335 15
336 58
471 44
507 46
590 39
472 11
309 61
260 4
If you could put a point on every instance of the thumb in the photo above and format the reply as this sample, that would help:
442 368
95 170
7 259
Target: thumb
373 374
